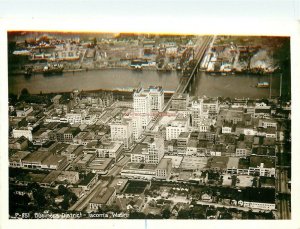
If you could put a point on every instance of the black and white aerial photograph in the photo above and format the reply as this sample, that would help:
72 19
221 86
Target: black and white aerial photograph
128 125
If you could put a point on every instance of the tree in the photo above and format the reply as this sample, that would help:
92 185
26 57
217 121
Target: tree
62 190
24 91
95 41
251 214
39 198
137 215
183 214
166 213
65 204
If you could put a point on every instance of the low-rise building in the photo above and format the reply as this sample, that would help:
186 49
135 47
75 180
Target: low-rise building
70 177
15 160
18 144
259 198
163 170
100 165
139 171
89 181
175 127
54 162
82 161
72 151
24 111
241 149
25 132
111 150
102 197
193 163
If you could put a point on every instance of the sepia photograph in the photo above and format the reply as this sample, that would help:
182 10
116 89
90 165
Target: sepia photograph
149 114
148 126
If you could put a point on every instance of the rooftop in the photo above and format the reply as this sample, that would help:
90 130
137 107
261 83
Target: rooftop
100 163
218 162
233 162
140 166
102 196
180 96
54 159
140 148
51 177
267 181
261 195
244 163
163 164
18 156
87 179
37 156
184 135
256 161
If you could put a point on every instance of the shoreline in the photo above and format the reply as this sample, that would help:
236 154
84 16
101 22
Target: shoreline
115 91
212 73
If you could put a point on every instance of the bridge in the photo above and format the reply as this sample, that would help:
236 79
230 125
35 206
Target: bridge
186 83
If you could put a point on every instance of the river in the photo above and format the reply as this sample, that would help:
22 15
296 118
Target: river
109 79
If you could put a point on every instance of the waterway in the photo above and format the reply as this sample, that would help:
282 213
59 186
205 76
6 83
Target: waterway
110 79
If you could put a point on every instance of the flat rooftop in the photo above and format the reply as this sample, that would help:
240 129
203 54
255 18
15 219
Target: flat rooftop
233 162
102 196
268 162
218 162
87 179
139 148
163 164
100 163
37 156
140 166
18 156
54 159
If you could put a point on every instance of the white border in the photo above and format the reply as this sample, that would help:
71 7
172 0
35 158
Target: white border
191 24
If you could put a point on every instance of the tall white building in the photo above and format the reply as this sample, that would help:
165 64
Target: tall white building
142 106
156 150
175 127
156 98
151 151
122 130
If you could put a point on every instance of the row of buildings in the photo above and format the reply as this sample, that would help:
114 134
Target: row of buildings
195 135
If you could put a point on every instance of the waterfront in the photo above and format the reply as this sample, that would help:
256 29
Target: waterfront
110 79
234 86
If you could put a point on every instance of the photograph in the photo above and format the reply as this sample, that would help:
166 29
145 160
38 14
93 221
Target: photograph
145 125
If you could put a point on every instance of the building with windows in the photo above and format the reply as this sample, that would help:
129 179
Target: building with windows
210 106
163 170
175 127
142 106
265 123
24 111
122 130
88 181
139 171
180 101
156 98
110 150
151 151
74 117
